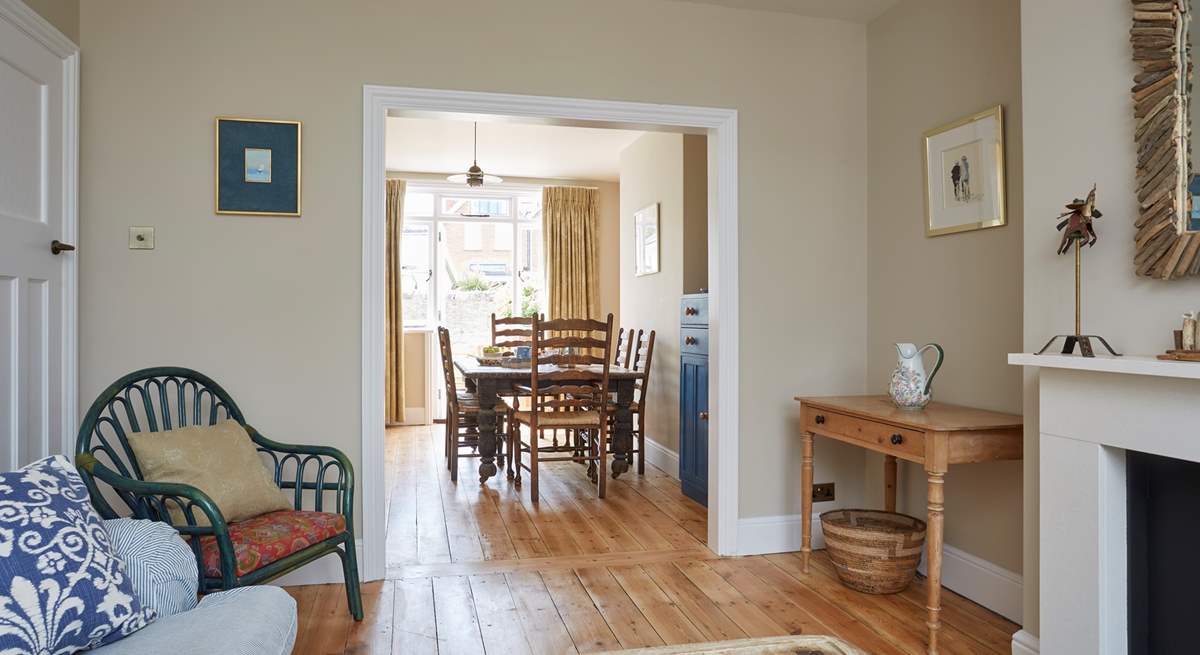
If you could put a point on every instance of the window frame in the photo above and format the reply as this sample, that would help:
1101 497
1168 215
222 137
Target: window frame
513 193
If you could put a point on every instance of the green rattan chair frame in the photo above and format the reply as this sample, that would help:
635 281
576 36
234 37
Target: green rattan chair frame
169 397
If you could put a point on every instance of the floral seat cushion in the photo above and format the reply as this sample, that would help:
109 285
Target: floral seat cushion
271 537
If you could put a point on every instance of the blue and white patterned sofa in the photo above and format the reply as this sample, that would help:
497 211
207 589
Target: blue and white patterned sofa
242 621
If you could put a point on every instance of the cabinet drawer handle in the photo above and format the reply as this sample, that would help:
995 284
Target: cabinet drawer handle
897 439
691 341
703 416
820 420
690 311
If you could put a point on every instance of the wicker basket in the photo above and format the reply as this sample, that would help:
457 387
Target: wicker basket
874 552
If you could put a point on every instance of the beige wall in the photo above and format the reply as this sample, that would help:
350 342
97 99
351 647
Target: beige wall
653 171
62 14
1067 151
608 221
415 379
931 62
271 306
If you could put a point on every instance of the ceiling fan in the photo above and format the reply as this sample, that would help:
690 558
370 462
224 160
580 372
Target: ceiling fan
474 177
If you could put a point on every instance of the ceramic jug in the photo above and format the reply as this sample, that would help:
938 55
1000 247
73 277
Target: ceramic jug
911 388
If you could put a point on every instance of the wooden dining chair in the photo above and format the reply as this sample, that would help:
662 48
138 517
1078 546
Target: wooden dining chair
462 415
571 395
643 355
511 331
624 348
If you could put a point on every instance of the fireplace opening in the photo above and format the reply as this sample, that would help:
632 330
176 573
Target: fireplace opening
1163 496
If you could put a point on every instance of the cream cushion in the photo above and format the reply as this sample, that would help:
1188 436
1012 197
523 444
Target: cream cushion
219 460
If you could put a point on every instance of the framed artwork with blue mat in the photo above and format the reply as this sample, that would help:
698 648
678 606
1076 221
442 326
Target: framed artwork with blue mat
257 167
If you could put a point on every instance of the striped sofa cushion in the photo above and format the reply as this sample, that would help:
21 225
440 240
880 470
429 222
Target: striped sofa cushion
160 564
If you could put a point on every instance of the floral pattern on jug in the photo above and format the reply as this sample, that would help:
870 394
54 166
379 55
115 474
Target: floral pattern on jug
910 387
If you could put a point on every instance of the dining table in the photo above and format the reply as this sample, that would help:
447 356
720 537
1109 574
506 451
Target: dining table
492 383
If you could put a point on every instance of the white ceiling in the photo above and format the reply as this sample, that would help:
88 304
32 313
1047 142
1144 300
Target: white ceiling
507 149
859 11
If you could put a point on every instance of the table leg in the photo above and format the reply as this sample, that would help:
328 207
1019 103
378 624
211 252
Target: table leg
806 485
486 390
622 428
889 483
933 542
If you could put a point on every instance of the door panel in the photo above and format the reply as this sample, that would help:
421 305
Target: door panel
693 430
32 214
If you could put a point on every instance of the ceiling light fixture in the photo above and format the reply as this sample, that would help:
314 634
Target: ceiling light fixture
474 177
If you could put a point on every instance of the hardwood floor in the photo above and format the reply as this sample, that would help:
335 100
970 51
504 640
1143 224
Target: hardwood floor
476 569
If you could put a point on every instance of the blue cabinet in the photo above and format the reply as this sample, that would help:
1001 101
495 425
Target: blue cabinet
693 397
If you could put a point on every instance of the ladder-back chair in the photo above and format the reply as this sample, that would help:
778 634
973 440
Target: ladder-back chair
643 357
571 360
624 347
462 415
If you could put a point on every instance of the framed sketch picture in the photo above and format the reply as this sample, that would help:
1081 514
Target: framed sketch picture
964 174
645 240
257 167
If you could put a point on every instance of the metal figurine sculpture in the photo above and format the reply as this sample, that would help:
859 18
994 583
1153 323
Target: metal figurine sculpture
1077 228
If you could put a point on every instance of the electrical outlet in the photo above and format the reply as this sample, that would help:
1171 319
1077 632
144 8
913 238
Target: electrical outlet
141 238
823 493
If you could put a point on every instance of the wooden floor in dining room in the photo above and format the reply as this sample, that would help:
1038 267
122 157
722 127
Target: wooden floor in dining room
480 569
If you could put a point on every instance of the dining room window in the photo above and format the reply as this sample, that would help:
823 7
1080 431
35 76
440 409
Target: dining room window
468 253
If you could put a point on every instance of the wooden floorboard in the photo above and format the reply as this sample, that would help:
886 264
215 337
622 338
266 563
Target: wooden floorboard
482 569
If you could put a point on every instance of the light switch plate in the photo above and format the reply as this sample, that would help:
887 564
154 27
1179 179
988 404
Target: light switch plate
141 238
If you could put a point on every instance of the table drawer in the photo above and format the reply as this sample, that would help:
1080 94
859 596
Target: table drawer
693 310
693 340
883 437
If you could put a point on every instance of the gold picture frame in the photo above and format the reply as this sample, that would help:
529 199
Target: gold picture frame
957 200
274 191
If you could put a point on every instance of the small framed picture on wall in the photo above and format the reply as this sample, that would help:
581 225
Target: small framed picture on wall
645 240
257 167
964 174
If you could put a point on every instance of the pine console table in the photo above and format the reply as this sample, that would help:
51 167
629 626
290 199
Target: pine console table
935 437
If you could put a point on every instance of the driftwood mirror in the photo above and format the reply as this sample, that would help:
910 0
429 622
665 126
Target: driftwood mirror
1168 222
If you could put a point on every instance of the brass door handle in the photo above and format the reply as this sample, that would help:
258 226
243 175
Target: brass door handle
57 247
703 416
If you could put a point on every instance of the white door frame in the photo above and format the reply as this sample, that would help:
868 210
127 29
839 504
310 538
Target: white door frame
39 29
721 127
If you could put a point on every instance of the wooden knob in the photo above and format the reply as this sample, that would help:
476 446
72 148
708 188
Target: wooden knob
897 439
689 311
820 420
691 341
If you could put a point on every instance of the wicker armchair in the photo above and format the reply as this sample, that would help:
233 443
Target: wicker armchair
228 554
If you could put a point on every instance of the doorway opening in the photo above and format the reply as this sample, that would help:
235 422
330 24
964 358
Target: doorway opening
502 275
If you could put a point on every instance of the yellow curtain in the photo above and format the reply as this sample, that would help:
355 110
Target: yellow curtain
569 231
394 385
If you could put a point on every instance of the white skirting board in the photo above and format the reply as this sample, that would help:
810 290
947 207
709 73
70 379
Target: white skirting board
1024 643
663 458
327 570
985 583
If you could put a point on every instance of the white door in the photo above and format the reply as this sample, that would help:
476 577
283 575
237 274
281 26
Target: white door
37 187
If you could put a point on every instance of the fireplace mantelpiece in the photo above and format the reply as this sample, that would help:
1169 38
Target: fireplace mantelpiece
1090 412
